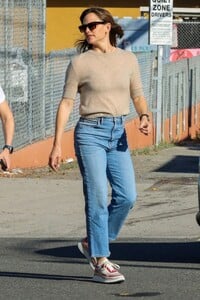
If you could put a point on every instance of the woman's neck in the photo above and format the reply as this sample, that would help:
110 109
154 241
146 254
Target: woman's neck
104 49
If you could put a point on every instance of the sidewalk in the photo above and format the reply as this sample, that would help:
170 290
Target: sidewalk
53 207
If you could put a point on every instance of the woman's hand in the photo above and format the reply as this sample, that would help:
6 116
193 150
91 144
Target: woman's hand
55 158
145 126
5 160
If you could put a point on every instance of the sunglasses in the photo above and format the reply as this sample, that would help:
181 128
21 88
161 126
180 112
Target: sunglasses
91 26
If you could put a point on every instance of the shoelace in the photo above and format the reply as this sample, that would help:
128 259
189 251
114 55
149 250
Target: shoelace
113 265
94 261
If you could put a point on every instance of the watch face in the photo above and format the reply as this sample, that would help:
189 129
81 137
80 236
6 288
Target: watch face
10 148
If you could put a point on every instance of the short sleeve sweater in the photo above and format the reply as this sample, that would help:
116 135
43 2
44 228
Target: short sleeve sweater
2 95
105 81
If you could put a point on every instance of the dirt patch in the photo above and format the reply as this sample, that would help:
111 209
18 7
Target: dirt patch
66 171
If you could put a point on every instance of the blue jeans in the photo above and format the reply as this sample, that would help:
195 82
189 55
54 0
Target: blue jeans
103 156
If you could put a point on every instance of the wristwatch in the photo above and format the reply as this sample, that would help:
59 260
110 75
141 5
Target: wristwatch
9 147
145 115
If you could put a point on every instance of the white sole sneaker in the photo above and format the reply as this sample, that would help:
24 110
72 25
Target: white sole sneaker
108 272
118 279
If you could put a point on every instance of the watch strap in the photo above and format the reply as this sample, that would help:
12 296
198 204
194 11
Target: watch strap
9 147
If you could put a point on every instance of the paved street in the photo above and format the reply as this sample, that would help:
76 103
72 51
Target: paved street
41 220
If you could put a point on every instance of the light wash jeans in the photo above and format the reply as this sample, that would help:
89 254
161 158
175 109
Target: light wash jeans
103 156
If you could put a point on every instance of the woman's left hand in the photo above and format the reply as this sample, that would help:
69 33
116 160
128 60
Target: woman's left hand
145 126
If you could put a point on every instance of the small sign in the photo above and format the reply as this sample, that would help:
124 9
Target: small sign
161 19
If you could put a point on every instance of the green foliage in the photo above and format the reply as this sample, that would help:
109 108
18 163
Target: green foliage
152 150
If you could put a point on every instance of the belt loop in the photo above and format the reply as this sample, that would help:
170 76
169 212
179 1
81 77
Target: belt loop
100 120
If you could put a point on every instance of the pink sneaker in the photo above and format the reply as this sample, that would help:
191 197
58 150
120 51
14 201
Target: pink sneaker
83 247
107 272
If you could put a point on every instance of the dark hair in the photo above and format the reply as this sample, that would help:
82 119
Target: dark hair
115 32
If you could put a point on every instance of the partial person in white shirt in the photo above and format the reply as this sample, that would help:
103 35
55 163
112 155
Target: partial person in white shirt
8 124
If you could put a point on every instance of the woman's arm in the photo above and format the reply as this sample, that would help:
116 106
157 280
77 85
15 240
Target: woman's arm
141 108
8 124
64 109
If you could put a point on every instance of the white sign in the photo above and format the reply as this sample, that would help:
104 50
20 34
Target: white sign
161 17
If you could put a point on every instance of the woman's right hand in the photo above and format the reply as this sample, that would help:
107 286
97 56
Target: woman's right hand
64 109
55 158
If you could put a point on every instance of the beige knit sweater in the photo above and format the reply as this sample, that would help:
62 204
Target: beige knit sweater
105 81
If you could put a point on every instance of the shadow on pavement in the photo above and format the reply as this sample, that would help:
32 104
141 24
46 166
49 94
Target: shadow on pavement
180 164
172 252
43 276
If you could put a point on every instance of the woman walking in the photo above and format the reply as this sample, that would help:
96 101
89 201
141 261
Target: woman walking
106 78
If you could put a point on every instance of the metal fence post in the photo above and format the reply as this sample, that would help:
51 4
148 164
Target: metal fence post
43 65
159 94
30 69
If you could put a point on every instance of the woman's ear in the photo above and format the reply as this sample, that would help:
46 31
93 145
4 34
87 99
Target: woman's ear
108 26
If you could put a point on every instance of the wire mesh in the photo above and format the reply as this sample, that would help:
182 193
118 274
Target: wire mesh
187 34
22 65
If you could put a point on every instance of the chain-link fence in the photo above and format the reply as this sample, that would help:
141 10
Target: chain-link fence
181 92
22 65
186 34
33 81
56 65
